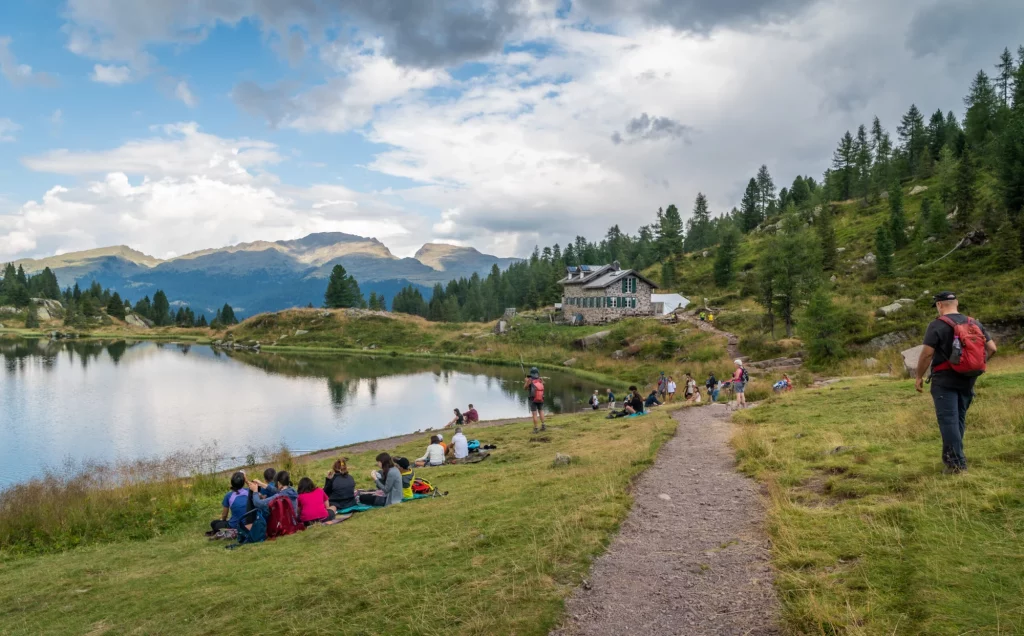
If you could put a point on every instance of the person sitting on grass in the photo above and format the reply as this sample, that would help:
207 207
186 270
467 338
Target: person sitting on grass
472 417
459 419
633 404
340 486
267 487
388 480
407 476
434 455
235 505
313 503
461 444
283 481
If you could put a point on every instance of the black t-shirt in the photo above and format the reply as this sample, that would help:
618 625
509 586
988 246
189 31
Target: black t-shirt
939 336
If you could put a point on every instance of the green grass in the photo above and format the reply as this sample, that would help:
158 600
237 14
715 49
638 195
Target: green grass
498 555
873 539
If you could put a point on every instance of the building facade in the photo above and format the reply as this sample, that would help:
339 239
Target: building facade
605 293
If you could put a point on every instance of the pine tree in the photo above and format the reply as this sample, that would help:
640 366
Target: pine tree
911 132
826 230
844 167
161 312
964 193
897 215
342 290
884 256
670 233
821 330
115 308
765 190
749 209
725 258
1004 80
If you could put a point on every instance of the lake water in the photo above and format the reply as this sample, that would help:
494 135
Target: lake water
65 403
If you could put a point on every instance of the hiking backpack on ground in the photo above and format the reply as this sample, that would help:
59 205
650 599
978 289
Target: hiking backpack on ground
968 355
282 518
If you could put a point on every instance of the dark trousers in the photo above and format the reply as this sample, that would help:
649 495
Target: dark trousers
951 410
370 499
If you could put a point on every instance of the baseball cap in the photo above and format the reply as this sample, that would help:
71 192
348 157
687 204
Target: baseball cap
943 296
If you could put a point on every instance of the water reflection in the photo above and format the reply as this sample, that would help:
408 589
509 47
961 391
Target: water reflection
125 400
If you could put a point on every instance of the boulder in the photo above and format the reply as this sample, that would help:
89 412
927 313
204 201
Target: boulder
570 362
591 340
889 339
910 357
918 190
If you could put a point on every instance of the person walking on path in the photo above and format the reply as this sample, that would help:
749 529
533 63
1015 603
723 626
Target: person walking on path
956 349
535 386
739 383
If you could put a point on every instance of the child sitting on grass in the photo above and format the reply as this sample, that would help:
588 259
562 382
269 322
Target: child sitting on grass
235 505
312 503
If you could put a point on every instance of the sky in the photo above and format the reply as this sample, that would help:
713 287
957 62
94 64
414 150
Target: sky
177 125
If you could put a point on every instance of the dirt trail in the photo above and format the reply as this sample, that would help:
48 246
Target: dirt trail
694 563
732 340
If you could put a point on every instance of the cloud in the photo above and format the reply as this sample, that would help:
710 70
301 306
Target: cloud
7 130
111 74
646 128
184 93
181 151
20 74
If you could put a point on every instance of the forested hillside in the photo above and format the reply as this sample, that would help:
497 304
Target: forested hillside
936 204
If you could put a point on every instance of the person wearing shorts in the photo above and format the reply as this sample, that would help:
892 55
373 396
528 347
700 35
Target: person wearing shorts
738 385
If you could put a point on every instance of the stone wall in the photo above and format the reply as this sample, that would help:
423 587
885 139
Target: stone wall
604 313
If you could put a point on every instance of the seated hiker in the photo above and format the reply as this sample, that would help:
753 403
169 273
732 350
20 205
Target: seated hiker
340 486
407 476
434 455
235 504
461 444
388 480
634 403
472 417
267 488
652 400
595 401
283 481
458 420
312 503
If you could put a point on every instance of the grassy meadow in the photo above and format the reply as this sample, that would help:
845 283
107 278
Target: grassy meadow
869 536
497 555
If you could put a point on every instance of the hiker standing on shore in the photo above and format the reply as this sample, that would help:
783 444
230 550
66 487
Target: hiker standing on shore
956 349
535 386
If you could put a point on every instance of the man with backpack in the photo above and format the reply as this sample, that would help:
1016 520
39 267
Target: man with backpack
956 349
535 386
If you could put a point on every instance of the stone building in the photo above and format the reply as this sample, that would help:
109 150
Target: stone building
605 293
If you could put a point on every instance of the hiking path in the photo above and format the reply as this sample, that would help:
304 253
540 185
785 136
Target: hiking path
692 557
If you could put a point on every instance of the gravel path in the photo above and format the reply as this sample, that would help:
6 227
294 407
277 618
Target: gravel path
692 557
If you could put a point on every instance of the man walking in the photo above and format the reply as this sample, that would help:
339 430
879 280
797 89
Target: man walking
535 386
956 349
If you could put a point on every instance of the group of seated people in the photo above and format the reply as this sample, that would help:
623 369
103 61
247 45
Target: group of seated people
311 504
438 451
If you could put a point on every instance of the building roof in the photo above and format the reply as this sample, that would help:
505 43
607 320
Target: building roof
601 276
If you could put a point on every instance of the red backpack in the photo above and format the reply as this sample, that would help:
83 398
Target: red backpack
538 393
968 355
282 518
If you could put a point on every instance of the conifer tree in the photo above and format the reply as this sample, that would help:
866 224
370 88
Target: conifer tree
826 230
897 216
725 258
883 257
964 193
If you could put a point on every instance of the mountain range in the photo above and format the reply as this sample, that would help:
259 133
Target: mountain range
266 275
